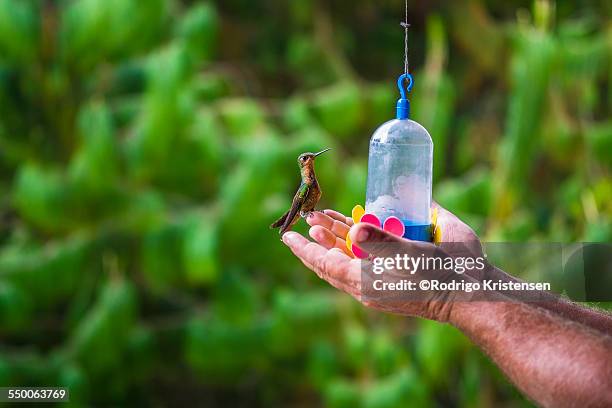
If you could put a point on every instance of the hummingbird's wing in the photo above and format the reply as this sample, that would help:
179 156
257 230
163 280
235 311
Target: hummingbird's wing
279 222
296 206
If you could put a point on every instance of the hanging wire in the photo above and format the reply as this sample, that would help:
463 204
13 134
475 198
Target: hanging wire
406 25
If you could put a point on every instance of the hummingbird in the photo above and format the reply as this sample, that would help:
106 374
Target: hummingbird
307 195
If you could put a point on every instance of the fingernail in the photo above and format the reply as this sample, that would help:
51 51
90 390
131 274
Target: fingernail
288 237
363 234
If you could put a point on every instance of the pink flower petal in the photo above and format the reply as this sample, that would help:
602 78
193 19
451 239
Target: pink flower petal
371 219
395 226
358 252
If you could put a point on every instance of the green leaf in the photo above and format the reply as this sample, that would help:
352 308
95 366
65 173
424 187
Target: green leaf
162 256
15 308
94 30
95 166
342 393
339 109
47 273
19 31
241 117
42 197
468 195
198 28
599 139
200 250
98 342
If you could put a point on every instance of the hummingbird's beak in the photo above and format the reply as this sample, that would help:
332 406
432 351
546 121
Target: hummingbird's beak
322 151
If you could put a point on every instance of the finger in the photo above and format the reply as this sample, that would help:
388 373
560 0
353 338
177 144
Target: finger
339 217
300 246
295 241
338 228
306 264
317 256
383 244
327 239
334 265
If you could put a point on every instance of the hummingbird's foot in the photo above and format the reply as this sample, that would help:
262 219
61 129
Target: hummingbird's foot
305 214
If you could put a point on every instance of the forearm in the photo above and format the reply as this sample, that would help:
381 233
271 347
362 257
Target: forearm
554 361
594 319
566 309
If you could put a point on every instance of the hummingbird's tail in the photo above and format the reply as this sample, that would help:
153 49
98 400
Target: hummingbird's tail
280 222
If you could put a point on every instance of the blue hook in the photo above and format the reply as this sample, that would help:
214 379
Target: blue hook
403 104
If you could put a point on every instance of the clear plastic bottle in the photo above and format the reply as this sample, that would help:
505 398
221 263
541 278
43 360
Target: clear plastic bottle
400 175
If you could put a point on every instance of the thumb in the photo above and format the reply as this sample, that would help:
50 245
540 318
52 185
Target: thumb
380 243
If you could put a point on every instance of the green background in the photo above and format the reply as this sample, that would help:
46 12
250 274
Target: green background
146 145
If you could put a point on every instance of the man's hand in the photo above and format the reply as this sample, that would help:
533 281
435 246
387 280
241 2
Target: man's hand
330 259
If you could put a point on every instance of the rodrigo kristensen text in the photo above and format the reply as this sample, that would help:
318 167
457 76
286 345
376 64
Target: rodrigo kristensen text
486 285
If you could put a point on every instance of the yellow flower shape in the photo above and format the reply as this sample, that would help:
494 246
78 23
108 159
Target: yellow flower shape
436 230
357 212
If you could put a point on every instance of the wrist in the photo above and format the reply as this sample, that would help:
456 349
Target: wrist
473 313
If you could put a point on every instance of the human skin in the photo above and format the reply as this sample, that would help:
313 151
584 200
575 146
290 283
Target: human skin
556 352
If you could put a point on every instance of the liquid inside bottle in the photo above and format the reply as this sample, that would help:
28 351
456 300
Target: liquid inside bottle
400 176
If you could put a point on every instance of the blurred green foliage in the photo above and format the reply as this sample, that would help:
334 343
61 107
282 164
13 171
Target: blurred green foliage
146 145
